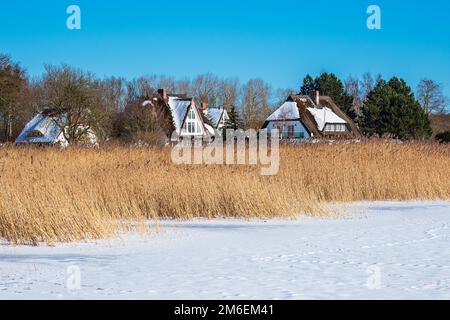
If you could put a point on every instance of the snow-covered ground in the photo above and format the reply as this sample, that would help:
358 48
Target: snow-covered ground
376 250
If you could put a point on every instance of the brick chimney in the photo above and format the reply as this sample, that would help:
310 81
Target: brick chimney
163 93
315 95
203 105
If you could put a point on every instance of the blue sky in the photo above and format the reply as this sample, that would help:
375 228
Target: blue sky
279 41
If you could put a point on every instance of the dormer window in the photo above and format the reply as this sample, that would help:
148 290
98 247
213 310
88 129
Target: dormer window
335 127
35 134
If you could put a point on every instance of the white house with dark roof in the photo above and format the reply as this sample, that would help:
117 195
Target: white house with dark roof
287 120
46 128
217 116
187 119
303 117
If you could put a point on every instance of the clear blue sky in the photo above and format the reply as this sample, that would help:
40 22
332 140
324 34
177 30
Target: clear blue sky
279 41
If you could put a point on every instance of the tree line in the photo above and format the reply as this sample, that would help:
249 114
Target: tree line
112 106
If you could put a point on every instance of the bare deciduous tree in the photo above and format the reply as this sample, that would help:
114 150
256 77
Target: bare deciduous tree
352 87
255 103
113 93
146 123
164 82
13 84
228 92
367 84
182 86
281 95
76 97
431 97
204 89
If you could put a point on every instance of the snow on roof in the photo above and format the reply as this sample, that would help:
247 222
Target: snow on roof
179 108
214 115
288 110
325 115
210 129
146 103
42 129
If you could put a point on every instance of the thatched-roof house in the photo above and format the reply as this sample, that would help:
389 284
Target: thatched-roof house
302 117
46 128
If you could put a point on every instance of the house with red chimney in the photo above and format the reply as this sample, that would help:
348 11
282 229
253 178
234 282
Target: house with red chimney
187 119
313 116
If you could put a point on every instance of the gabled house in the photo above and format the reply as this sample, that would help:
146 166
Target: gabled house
46 129
187 119
216 116
315 116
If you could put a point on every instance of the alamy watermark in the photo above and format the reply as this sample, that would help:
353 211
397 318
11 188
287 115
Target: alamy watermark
374 279
73 22
239 147
374 20
73 282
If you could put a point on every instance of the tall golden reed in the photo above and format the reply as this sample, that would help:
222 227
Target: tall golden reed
50 195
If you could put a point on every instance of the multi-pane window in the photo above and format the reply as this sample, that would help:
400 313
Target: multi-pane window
290 131
280 130
191 124
286 131
335 127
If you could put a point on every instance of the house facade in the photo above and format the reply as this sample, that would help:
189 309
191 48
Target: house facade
46 128
314 116
187 119
217 117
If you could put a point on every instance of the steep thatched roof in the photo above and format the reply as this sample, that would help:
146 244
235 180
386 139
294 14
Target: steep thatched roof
326 101
304 102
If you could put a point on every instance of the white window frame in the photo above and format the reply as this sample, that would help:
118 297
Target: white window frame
335 127
191 125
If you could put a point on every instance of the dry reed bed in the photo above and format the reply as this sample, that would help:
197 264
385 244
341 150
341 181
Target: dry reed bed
55 195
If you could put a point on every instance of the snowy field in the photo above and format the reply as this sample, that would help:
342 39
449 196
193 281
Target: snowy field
373 250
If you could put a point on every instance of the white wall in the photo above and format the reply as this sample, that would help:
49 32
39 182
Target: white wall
298 127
